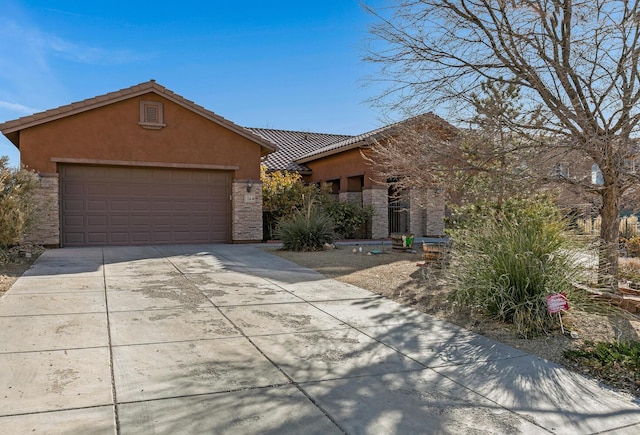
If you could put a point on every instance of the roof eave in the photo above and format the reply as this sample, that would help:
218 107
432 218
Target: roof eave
144 88
14 138
64 114
359 144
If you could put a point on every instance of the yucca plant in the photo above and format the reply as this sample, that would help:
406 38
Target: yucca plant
306 229
510 259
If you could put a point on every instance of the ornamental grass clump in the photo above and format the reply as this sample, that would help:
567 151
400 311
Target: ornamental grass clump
306 229
508 259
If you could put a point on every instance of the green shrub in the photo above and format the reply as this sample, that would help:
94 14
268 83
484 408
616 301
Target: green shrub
626 355
283 192
16 202
307 229
509 258
616 362
349 217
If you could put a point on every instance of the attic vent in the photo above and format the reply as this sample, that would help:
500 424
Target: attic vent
151 115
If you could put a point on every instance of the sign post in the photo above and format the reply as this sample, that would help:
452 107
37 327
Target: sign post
556 303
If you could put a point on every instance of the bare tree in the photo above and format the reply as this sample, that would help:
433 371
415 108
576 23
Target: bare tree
575 63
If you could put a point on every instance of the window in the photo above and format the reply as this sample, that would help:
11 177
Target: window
151 115
596 175
630 166
335 186
562 170
355 184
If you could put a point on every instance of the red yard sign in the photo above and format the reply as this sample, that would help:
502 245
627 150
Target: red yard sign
557 302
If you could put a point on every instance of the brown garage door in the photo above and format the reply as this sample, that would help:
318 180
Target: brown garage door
112 205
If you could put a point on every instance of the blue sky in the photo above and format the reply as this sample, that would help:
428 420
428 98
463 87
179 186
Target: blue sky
279 64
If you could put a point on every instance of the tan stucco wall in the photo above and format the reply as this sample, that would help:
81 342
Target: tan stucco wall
343 165
112 133
427 220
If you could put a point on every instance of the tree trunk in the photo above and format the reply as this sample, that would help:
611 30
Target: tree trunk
609 238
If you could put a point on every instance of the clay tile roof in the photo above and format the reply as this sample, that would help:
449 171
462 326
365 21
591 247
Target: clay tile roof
370 137
11 128
294 144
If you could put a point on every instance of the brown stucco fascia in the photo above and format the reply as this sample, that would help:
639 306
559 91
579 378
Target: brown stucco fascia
145 164
11 129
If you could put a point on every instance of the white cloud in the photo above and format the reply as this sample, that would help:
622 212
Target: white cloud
82 53
26 76
18 108
34 62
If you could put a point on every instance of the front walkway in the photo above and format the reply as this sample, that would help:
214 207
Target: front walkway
231 339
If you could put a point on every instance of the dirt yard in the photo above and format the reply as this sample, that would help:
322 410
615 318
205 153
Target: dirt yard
14 262
396 276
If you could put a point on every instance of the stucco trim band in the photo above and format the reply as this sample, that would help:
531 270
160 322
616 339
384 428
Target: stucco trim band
146 164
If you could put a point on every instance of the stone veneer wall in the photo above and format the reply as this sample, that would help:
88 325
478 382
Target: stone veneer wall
351 196
45 227
416 215
246 212
435 214
379 200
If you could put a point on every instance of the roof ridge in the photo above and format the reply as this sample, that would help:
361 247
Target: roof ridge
83 103
9 127
298 131
365 138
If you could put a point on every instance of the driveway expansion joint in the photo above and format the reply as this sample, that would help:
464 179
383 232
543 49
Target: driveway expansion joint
293 352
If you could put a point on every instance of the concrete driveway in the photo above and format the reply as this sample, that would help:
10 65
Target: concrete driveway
230 339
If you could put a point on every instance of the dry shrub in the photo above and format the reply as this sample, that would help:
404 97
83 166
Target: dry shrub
633 246
16 202
630 269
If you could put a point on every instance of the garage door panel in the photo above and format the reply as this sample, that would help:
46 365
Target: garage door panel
199 206
161 220
139 175
141 237
199 221
162 237
119 190
119 220
143 221
176 191
181 178
73 189
74 238
71 220
136 190
118 238
200 191
120 206
97 206
97 238
73 205
95 221
140 206
163 206
95 189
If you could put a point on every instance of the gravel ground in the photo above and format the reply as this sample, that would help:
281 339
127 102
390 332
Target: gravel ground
397 276
13 263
